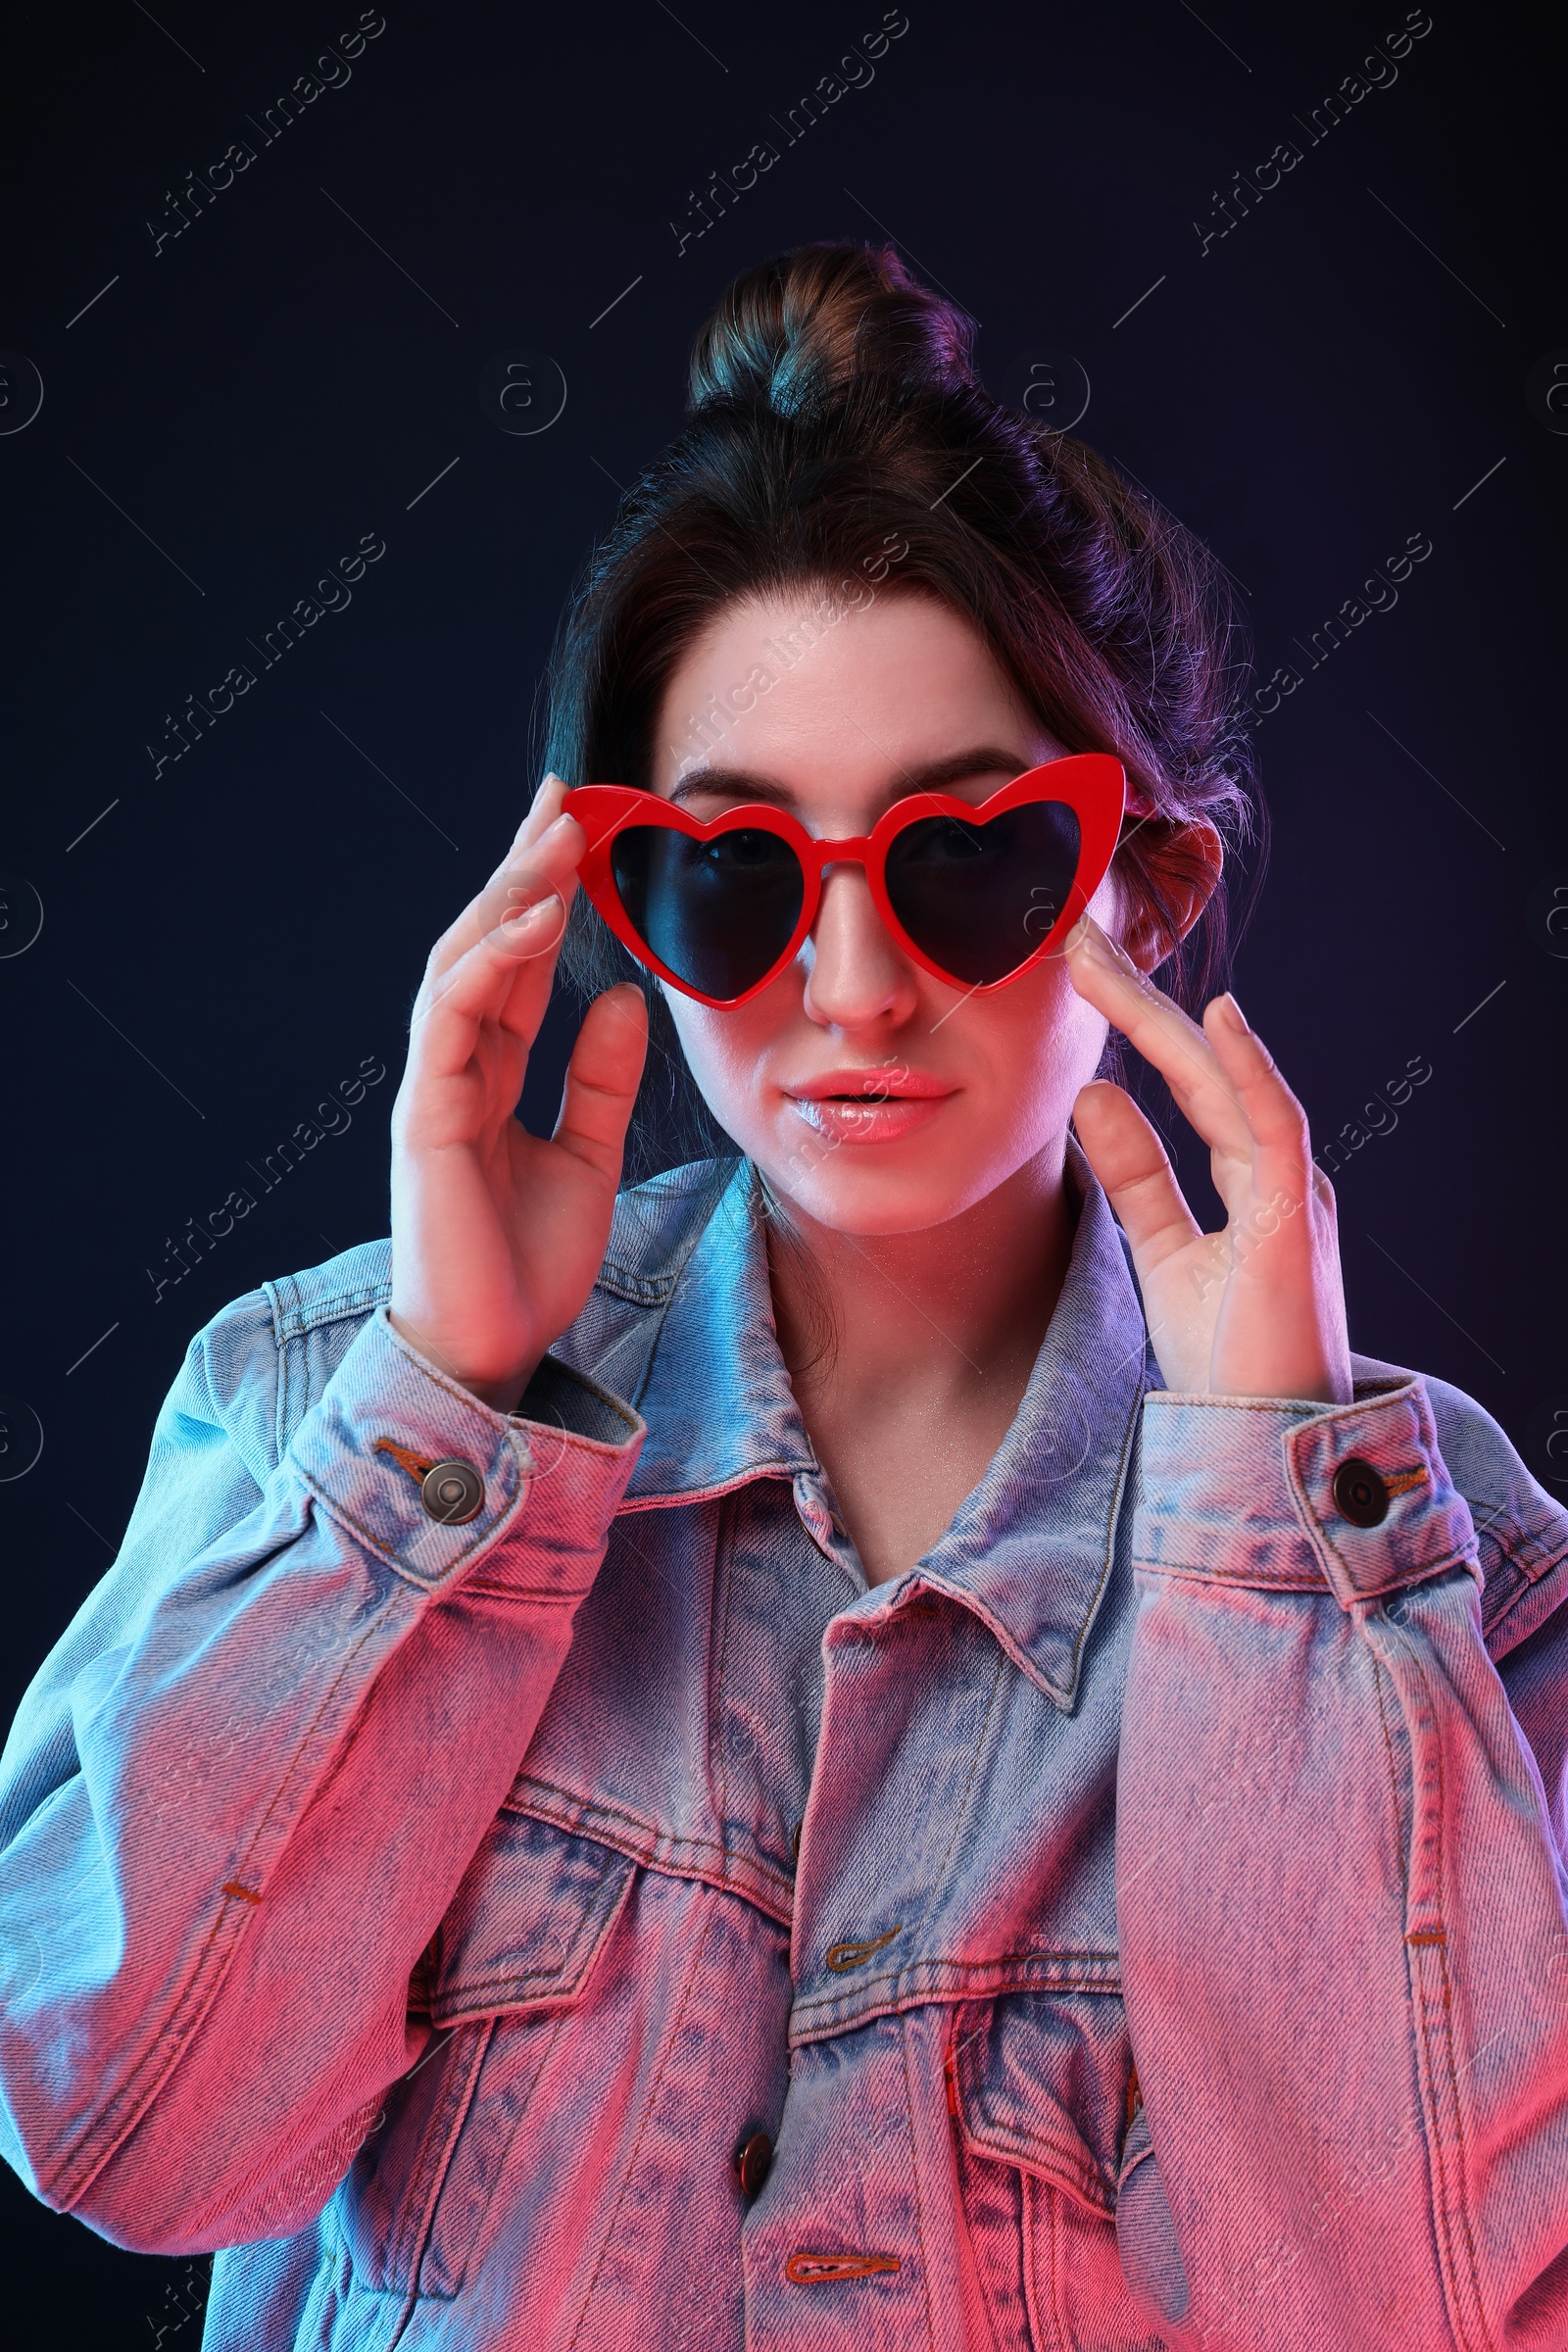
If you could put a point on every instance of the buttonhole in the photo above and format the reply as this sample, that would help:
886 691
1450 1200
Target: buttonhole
844 1956
418 1468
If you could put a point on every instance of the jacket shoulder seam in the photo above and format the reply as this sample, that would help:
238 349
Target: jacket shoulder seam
295 1311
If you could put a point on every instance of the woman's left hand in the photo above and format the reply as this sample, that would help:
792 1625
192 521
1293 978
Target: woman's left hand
1257 1311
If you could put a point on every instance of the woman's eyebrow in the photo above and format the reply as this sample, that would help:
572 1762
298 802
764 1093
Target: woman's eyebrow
982 759
732 784
928 775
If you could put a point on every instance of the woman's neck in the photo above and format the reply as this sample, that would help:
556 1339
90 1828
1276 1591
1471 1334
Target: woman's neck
910 1352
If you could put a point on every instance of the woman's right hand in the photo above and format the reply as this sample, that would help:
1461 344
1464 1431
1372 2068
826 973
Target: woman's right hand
498 1234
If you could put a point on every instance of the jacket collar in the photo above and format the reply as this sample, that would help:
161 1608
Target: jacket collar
716 1397
1030 1549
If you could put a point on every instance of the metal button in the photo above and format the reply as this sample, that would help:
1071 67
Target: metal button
753 2163
1360 1494
452 1491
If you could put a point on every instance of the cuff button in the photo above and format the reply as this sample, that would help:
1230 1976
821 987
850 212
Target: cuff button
1360 1491
451 1493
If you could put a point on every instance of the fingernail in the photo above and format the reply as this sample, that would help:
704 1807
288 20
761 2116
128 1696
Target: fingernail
1230 1014
1109 950
532 848
515 918
545 783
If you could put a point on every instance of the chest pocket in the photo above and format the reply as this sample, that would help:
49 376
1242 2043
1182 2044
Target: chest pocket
1043 2082
528 1921
517 1948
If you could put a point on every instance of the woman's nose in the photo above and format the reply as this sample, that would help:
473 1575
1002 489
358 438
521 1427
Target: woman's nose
856 970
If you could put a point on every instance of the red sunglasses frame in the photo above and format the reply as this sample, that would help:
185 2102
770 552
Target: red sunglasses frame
1091 784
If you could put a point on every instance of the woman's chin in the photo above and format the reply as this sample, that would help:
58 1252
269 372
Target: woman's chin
872 1193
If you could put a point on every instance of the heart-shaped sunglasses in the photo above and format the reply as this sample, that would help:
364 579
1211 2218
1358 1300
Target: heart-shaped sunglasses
974 894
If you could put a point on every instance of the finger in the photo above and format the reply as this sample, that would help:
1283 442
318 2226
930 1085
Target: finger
503 980
1184 1055
528 873
1131 1163
603 1077
542 811
1281 1145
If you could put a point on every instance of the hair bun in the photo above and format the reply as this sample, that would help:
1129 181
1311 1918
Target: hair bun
802 326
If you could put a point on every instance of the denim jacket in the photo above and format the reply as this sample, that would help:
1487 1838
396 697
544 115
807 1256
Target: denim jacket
1141 1924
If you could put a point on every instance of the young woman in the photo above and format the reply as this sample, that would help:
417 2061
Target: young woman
877 1742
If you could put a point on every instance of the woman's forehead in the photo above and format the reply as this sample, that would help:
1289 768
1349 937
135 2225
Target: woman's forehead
798 688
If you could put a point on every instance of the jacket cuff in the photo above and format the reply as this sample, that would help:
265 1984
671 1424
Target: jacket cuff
550 1478
1242 1490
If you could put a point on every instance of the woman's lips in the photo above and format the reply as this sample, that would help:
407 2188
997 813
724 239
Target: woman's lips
869 1106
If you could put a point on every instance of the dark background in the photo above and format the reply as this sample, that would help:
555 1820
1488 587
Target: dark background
1346 367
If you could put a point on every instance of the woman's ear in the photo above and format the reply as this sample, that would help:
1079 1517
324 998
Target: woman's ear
1185 867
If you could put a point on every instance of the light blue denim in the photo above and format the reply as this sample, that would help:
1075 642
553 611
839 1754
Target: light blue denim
1142 1924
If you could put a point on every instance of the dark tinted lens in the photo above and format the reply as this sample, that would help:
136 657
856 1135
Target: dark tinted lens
720 913
979 898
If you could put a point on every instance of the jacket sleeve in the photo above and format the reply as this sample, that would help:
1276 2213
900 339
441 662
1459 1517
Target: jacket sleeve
243 1787
1341 1889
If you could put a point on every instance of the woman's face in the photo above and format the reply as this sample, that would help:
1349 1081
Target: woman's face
877 1098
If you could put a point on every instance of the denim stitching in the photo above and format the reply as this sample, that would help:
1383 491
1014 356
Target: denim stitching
176 2033
287 1419
962 1806
373 1628
972 2094
1474 2281
535 1596
655 2087
651 1841
504 2156
1443 2216
1394 1780
586 1962
675 1498
676 1268
411 2235
830 2000
1090 2182
1446 2197
914 2182
1530 1578
382 1551
1035 2195
1116 1500
1254 1580
1093 2187
293 1319
669 1273
1058 2263
723 1566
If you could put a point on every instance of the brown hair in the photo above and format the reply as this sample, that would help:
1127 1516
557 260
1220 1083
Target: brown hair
835 416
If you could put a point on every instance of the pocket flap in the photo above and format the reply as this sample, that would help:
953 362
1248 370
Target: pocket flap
532 1910
1044 2081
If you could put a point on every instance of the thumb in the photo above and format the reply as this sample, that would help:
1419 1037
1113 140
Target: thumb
602 1079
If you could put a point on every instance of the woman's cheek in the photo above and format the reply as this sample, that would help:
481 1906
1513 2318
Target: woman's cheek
724 1051
1057 1049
